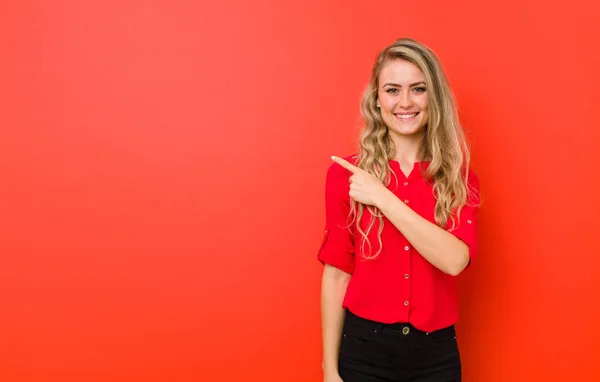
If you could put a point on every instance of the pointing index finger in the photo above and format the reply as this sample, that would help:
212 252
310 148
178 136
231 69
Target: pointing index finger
345 164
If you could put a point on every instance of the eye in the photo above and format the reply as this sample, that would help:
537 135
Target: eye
420 89
391 90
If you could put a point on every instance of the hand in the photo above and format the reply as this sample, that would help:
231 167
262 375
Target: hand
365 188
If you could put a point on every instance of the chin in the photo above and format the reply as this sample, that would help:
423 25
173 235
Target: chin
409 131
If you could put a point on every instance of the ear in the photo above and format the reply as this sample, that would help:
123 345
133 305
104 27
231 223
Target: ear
377 104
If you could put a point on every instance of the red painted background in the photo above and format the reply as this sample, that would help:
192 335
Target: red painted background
162 168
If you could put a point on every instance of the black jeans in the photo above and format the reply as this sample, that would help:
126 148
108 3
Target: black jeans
376 352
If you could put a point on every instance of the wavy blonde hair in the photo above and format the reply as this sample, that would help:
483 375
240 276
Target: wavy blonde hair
445 144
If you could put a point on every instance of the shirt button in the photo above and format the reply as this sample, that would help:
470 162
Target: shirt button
406 183
406 276
405 303
406 248
406 201
468 221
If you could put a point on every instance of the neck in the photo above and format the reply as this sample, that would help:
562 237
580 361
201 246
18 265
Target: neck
409 149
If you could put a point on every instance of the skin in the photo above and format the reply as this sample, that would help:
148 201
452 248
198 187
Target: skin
403 103
402 92
333 289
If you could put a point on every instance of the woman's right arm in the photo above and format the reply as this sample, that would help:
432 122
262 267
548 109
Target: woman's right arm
337 255
333 290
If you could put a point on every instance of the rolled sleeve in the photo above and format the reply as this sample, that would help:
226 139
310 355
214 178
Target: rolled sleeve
337 246
466 229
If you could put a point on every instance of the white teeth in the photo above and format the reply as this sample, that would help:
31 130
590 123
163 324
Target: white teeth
406 116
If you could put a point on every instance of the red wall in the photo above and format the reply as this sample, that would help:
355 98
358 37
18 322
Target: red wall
163 163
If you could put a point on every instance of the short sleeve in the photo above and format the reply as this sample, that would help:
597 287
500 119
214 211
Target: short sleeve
466 229
337 247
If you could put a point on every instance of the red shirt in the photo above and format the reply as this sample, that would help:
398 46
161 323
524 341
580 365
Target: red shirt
399 285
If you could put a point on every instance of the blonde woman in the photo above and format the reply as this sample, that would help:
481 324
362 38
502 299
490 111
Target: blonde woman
401 218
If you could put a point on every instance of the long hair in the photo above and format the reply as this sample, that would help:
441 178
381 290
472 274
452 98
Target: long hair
445 144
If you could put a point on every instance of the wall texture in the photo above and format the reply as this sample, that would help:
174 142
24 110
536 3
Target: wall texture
162 168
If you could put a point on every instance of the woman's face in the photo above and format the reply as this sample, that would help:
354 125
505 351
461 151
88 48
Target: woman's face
402 98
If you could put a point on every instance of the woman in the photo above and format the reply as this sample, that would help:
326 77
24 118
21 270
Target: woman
401 220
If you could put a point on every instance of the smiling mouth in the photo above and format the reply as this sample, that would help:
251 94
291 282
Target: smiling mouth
406 115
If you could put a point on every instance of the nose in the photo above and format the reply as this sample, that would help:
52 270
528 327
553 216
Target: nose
405 101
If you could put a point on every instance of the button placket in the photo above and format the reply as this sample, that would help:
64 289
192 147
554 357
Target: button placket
406 276
407 199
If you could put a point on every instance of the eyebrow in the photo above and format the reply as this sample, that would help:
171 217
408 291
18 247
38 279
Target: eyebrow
399 86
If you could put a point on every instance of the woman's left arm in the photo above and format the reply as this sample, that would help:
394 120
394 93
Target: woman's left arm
441 248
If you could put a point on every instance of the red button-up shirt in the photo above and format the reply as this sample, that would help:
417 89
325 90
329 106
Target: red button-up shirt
399 285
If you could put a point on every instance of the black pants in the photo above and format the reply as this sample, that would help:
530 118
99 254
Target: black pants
375 352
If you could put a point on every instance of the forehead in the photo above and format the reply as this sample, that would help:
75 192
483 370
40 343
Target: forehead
400 72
